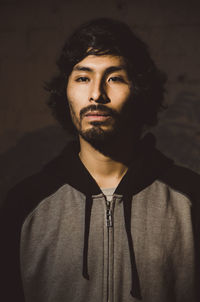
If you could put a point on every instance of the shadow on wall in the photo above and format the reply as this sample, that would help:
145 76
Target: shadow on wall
178 136
178 133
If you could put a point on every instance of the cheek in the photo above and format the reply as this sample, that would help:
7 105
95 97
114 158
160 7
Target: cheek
120 96
74 109
77 96
73 98
74 112
70 92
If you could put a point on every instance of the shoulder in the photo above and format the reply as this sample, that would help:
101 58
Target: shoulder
182 180
187 183
27 194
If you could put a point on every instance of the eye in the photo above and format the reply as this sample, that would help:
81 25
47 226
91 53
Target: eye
82 79
116 79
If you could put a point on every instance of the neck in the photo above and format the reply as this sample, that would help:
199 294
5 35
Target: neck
107 170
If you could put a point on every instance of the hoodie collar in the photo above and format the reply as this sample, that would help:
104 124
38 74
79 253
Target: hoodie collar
147 164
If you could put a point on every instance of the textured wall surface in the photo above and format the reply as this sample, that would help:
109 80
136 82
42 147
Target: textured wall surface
31 36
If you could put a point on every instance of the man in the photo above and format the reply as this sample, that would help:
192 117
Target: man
111 218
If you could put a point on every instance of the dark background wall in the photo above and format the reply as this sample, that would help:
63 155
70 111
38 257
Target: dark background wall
31 36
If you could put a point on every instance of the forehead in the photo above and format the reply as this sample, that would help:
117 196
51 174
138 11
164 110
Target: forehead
100 63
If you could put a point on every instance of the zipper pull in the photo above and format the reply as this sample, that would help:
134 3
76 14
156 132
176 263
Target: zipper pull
109 221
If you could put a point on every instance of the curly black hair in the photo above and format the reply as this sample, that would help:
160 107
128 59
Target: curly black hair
105 36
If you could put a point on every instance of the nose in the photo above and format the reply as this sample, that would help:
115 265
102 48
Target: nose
98 93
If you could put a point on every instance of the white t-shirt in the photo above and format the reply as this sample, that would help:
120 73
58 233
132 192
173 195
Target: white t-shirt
108 192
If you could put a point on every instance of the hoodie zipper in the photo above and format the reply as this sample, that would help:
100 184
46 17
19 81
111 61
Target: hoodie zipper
109 220
109 224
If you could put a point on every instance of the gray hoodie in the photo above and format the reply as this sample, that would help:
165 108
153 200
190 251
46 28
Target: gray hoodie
63 241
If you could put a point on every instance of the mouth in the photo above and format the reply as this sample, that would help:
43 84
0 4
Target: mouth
97 116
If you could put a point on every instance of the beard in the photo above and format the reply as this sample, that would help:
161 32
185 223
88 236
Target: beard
103 135
99 132
97 135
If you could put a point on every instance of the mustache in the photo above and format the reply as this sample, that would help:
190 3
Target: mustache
98 107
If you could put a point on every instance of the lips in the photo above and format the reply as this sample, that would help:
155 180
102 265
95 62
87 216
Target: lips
97 113
97 116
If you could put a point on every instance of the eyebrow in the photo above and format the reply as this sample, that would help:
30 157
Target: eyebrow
107 71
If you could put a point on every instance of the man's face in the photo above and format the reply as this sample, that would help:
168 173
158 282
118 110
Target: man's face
98 90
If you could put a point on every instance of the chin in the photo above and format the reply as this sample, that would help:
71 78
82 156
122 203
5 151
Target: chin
97 134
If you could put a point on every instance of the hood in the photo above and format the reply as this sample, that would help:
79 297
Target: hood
146 166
